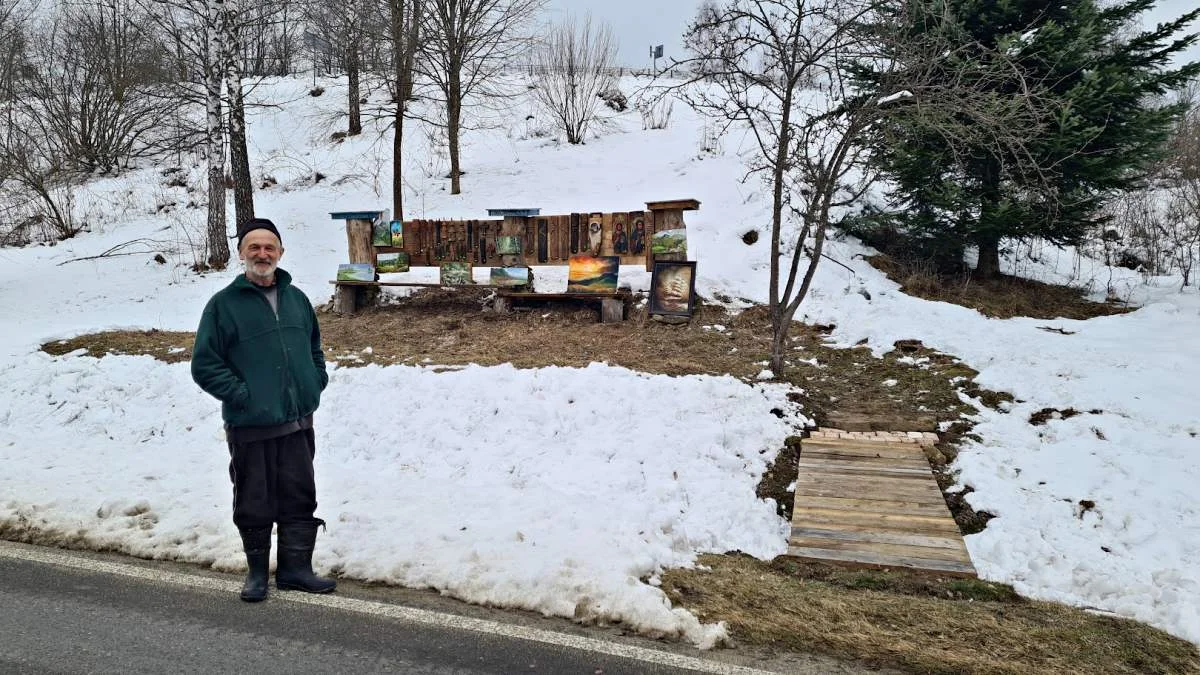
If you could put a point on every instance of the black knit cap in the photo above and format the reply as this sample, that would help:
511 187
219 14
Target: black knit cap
257 224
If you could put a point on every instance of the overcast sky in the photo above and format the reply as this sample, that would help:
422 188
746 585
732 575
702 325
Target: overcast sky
638 24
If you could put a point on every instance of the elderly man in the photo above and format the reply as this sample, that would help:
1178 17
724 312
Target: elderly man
258 351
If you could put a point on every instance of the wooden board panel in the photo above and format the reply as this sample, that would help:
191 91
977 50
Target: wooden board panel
861 445
809 454
894 466
876 560
860 483
872 470
813 514
913 507
881 537
902 550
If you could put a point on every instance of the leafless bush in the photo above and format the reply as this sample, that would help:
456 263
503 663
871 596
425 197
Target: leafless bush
93 90
573 65
1157 229
656 113
36 186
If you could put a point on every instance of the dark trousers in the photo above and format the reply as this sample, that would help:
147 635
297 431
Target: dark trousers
273 480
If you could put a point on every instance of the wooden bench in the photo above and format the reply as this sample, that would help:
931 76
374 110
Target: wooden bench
345 295
612 303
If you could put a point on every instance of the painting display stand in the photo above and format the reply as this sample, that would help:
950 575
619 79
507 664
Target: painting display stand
529 239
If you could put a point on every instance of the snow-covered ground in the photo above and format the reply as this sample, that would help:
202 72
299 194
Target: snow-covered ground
551 489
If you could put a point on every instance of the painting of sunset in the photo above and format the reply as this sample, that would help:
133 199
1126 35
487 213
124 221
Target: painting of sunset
592 274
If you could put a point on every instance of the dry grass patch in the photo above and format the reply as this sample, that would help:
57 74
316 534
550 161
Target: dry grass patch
1001 298
917 624
169 346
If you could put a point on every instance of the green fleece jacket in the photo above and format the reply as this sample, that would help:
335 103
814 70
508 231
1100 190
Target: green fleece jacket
265 370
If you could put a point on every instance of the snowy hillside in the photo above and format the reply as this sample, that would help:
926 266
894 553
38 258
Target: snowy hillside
537 506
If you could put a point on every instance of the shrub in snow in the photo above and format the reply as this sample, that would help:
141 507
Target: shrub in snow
656 115
613 98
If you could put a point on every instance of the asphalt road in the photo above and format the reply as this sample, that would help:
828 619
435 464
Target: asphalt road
71 613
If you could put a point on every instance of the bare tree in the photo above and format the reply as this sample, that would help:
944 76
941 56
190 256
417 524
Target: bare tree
94 85
207 39
777 69
404 30
572 70
347 26
12 46
465 44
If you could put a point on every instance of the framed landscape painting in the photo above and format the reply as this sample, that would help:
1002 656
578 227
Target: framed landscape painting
356 272
455 273
510 276
669 241
592 274
381 233
673 288
392 262
397 234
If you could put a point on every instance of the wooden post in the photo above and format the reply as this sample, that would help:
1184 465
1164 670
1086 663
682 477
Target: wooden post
503 305
344 299
359 236
666 216
516 224
612 310
360 249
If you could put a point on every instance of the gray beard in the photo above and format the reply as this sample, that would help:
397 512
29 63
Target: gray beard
248 265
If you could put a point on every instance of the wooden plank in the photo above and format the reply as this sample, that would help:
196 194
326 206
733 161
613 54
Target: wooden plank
916 458
826 477
937 519
847 443
902 550
906 466
864 459
915 508
913 455
832 520
955 543
864 448
844 493
874 525
564 238
861 482
903 479
873 502
879 560
564 296
681 204
866 475
900 472
866 483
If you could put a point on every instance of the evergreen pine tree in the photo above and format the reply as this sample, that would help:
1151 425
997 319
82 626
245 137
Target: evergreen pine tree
1099 89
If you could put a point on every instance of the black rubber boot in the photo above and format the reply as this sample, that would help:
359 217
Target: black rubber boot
294 572
257 543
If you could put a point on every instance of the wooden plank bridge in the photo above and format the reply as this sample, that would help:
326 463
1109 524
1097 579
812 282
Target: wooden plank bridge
870 499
